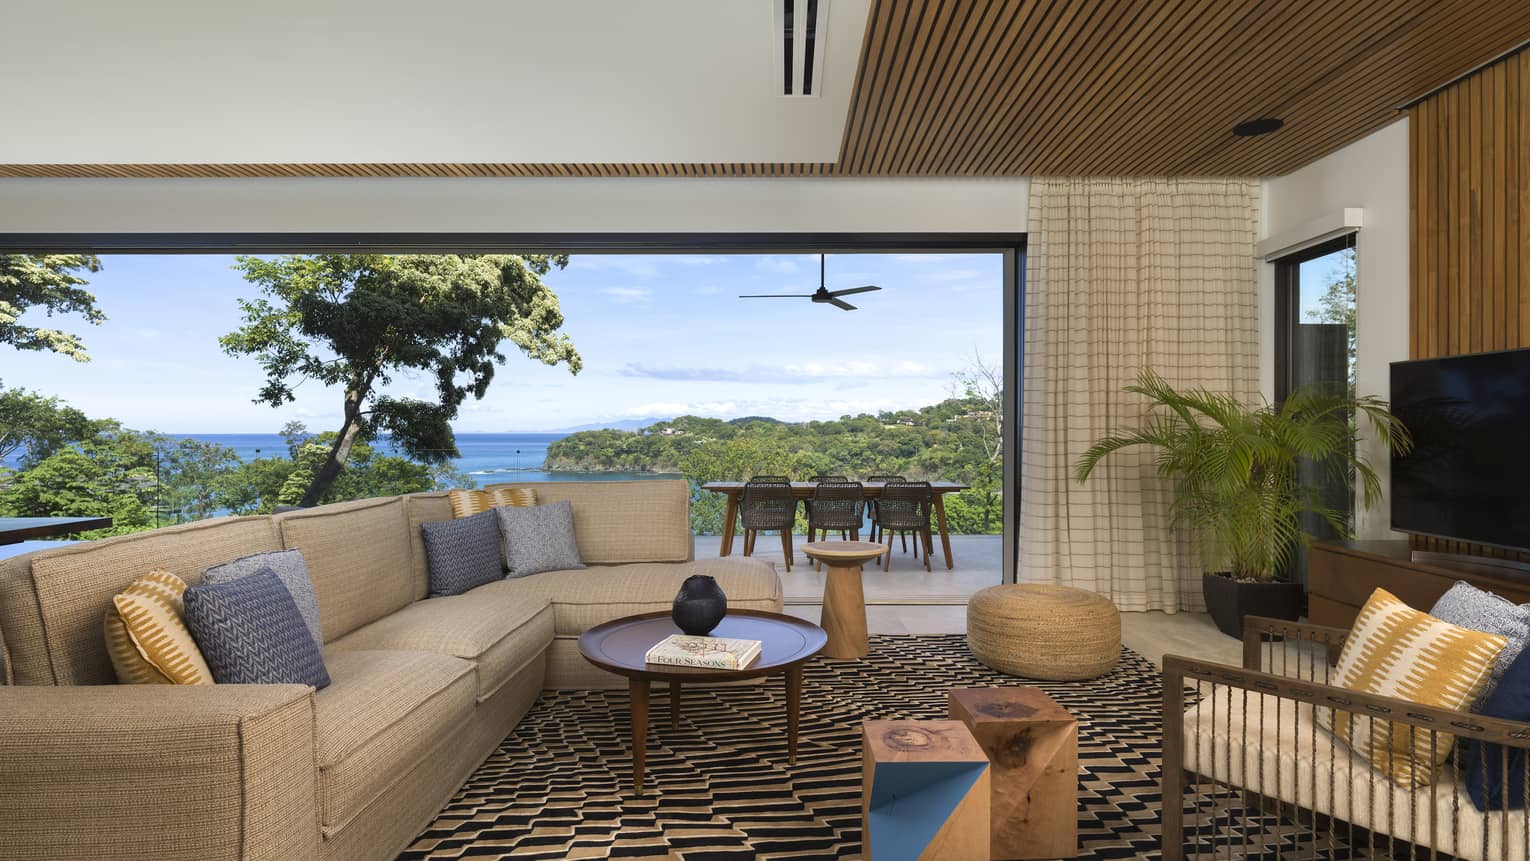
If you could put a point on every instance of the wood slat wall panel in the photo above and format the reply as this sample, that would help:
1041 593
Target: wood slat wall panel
1077 88
1469 215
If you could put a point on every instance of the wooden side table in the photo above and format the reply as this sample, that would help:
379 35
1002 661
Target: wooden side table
844 600
924 791
1032 743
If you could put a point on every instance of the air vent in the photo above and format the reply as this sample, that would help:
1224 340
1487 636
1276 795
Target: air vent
799 48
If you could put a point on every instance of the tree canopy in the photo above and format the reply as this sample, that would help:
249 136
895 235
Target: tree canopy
33 426
52 284
354 321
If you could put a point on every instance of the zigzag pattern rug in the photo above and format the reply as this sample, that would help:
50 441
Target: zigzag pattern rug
720 788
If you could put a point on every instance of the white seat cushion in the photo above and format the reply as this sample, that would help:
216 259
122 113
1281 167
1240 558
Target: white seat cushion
1276 749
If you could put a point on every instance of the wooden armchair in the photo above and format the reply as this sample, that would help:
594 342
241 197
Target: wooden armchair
1245 742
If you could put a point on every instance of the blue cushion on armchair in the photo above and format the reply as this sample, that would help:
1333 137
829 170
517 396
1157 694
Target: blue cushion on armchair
1485 777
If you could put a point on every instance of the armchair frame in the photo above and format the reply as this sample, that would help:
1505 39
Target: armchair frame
1268 663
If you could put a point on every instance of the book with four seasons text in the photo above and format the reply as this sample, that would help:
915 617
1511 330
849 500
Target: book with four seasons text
714 653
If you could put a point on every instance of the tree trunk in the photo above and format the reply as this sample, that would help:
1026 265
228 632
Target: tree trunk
338 453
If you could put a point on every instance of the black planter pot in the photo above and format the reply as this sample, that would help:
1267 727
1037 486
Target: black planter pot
700 605
1229 600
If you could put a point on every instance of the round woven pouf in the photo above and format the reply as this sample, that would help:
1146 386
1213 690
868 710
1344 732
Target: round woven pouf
1044 632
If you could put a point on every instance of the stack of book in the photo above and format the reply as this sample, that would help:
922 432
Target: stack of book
713 653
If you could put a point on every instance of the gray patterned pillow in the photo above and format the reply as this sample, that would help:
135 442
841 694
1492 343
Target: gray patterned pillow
290 568
250 633
539 538
462 554
1469 607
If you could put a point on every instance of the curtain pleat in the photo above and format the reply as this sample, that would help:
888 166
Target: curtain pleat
1122 275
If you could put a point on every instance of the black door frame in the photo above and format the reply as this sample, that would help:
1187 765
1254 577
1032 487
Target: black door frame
1010 245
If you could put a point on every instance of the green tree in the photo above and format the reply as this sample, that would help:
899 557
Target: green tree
50 283
1337 304
111 475
33 426
353 321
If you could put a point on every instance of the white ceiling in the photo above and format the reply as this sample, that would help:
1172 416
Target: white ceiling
384 81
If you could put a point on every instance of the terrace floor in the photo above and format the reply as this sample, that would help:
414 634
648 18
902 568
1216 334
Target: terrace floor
979 563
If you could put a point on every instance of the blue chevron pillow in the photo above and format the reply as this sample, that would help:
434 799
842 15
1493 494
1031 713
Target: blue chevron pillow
251 633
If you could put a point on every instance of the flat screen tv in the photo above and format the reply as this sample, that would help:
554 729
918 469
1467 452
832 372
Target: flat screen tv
1468 476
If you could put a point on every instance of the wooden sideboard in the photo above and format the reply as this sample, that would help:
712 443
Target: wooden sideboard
1342 574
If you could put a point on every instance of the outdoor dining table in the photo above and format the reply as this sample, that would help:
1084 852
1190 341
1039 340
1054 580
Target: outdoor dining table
804 490
14 530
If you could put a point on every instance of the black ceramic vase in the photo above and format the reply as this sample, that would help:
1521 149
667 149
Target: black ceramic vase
700 605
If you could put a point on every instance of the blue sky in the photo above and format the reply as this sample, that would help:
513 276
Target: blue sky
661 335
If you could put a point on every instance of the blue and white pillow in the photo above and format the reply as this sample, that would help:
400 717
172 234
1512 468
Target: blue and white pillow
1467 606
251 633
462 554
289 567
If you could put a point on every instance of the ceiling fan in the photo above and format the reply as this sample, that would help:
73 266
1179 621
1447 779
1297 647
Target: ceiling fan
822 294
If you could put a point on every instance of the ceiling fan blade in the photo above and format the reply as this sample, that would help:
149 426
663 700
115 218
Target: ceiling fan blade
840 303
867 289
778 296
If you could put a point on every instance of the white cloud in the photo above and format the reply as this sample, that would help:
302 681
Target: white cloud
852 368
709 290
644 266
628 295
957 275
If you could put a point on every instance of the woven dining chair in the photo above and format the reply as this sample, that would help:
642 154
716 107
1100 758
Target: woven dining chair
807 504
837 507
904 509
879 479
768 505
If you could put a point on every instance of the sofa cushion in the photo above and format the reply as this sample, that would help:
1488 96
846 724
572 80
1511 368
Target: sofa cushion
147 637
1494 774
462 554
380 716
359 556
624 521
251 633
292 570
539 538
499 631
421 508
1480 610
53 623
584 598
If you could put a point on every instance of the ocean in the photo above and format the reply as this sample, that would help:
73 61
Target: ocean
490 458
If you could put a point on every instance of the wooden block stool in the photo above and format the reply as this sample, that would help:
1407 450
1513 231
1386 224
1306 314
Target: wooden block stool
924 792
1032 743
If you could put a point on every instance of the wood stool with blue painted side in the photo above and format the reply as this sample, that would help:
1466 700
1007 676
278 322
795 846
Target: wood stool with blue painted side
924 792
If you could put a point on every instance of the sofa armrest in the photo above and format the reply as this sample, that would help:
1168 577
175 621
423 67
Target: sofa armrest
140 771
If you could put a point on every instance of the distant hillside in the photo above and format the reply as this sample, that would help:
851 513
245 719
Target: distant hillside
620 425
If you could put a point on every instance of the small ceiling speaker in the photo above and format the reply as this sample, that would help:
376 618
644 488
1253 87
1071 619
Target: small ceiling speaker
1255 128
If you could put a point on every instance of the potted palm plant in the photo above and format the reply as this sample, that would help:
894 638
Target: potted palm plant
1237 488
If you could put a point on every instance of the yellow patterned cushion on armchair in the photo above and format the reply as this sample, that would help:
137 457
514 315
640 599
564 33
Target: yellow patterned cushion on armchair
146 634
466 503
1397 651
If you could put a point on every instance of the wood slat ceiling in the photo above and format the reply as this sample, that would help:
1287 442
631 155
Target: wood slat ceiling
1077 87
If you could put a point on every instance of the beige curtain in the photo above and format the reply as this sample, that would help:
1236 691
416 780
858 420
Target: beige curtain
1125 274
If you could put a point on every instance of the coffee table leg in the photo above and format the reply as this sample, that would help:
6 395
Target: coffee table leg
793 708
674 705
638 688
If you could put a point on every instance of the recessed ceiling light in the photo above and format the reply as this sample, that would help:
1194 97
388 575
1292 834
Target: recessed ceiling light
1261 126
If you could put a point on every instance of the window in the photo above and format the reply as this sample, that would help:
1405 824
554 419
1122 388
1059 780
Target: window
1315 345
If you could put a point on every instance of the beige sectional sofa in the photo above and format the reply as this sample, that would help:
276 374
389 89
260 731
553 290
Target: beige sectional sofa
423 689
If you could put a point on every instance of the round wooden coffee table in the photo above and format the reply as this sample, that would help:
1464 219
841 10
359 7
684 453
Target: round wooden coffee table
844 602
619 646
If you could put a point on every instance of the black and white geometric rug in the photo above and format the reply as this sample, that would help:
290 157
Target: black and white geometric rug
720 787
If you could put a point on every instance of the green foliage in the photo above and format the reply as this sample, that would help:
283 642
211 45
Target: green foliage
49 283
1337 304
33 426
138 479
353 321
955 440
1235 469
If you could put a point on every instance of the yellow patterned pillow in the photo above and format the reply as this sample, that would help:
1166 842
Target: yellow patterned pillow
1401 652
515 497
466 503
147 637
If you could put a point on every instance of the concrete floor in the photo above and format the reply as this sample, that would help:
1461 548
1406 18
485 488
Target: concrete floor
1151 635
979 563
